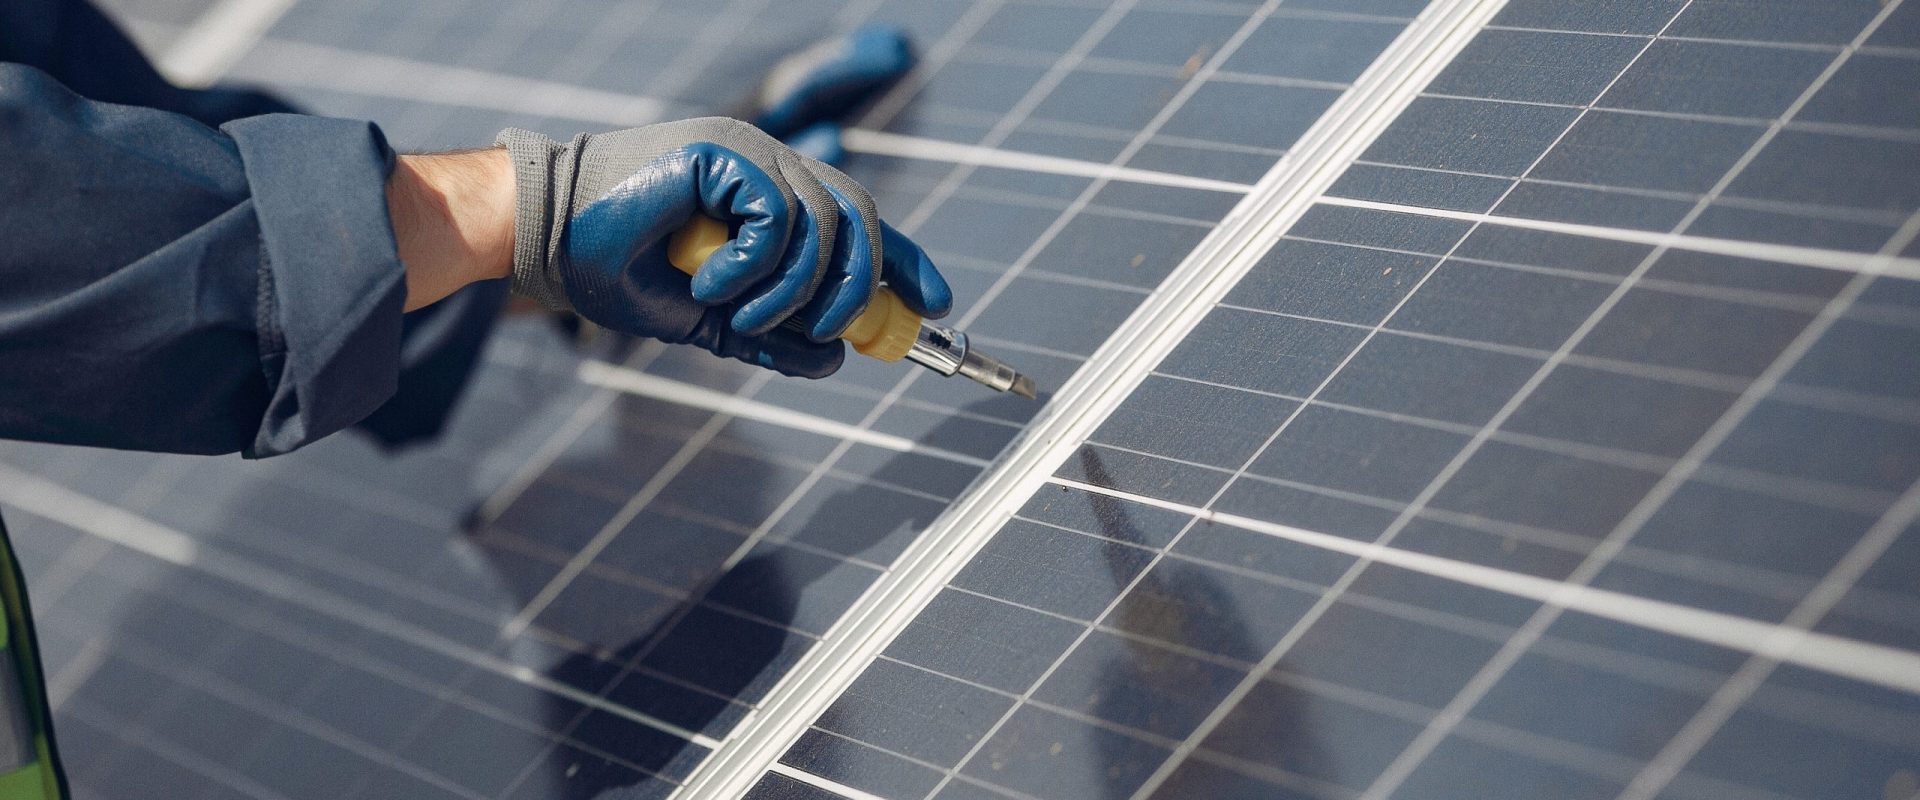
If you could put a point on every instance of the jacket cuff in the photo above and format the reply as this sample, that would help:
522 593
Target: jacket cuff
332 287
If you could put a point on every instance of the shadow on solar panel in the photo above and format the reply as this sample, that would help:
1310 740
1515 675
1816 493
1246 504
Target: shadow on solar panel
662 626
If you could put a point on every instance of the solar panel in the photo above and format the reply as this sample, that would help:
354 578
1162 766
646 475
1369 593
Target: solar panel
1322 550
617 608
1562 446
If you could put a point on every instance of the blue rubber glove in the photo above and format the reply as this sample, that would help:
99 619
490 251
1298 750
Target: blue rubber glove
594 216
828 81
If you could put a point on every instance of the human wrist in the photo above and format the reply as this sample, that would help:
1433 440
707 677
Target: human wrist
453 220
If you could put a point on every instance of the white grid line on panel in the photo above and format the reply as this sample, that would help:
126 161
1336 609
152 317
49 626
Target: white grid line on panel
818 782
196 676
1889 218
1840 128
205 50
515 23
217 771
1816 257
287 63
672 391
1877 664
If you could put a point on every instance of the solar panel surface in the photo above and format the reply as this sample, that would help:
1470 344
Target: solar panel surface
1471 351
1199 601
617 607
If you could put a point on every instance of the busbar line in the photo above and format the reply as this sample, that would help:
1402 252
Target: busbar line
1816 257
818 782
1665 765
299 64
287 63
882 143
217 39
1880 665
45 499
48 500
283 62
1247 232
668 390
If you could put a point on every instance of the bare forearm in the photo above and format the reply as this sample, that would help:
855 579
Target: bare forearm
452 219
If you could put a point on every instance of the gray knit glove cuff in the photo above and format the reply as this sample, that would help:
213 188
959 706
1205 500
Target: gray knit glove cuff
542 171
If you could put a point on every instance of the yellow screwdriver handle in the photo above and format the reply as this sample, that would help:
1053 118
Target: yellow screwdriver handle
886 330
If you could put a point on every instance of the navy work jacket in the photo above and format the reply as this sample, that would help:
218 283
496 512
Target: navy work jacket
169 285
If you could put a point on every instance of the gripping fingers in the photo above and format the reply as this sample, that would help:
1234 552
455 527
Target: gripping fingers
852 277
732 186
912 275
801 269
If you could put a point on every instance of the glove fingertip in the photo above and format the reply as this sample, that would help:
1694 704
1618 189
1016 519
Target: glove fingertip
732 270
935 296
763 214
923 288
913 276
828 329
832 323
752 321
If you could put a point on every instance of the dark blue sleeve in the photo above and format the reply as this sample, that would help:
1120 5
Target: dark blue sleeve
169 286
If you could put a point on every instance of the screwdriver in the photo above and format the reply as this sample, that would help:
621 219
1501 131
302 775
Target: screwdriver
887 330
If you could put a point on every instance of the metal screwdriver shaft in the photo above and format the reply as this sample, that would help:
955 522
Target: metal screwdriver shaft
887 330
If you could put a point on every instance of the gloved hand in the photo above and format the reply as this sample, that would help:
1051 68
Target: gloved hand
593 218
825 83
